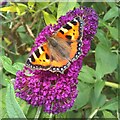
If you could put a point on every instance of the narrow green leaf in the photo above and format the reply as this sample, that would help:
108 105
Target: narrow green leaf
98 86
87 74
64 7
49 18
110 105
106 61
13 108
113 12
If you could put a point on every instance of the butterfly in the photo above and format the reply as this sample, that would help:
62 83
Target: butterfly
61 49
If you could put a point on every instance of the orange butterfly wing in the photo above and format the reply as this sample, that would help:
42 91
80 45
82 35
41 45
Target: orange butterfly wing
72 34
64 48
40 59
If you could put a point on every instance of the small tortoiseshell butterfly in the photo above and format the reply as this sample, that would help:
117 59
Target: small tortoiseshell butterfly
62 48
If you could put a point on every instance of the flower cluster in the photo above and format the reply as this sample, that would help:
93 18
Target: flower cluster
54 91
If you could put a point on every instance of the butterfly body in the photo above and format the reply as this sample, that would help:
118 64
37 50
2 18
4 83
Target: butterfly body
62 48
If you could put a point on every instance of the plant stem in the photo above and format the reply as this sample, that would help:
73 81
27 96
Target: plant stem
93 113
113 85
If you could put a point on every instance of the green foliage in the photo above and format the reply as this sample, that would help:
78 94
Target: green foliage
12 107
98 79
106 61
113 12
49 18
64 7
7 64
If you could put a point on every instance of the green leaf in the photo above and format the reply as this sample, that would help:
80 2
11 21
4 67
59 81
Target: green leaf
4 79
111 104
113 12
101 37
84 93
52 8
87 74
9 8
3 114
111 4
7 65
75 114
23 104
64 7
18 66
49 18
21 8
106 61
31 112
31 3
99 7
113 32
13 108
108 114
98 86
97 102
101 100
41 5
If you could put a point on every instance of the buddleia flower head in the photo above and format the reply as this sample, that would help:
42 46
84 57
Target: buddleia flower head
54 91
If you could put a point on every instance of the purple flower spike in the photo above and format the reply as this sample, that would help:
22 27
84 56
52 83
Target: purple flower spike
54 91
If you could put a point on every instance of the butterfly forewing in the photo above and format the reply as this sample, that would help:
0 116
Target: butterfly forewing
40 58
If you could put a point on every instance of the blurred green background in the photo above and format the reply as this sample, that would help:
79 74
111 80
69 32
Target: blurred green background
99 86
